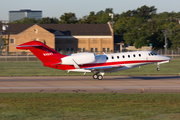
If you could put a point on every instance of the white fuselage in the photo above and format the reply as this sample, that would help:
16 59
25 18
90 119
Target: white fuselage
130 59
112 62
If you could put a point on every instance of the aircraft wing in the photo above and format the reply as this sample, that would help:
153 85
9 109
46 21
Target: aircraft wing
103 67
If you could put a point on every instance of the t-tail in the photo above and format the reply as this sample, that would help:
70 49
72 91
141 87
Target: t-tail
44 53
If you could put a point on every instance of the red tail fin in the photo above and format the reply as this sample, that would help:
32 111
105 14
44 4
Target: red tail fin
44 53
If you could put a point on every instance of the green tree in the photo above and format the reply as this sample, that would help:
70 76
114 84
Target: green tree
103 16
134 25
25 21
146 11
68 18
48 20
83 20
174 37
4 42
141 42
91 18
120 26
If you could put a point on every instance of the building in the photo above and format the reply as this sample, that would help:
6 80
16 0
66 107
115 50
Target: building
119 45
63 37
18 15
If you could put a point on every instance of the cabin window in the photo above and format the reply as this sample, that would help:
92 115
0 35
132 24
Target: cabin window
123 56
128 56
107 58
117 57
112 57
134 55
139 55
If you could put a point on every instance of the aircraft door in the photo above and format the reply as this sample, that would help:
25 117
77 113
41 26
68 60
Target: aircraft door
147 57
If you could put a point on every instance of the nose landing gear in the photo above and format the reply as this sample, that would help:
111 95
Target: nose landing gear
158 67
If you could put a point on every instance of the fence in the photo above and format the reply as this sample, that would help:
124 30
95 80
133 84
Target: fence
28 56
17 56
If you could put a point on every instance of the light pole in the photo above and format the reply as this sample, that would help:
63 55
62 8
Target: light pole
1 41
4 28
112 16
166 33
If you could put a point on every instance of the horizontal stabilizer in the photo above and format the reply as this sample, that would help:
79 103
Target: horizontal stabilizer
27 46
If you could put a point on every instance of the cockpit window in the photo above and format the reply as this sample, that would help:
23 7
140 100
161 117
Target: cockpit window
152 53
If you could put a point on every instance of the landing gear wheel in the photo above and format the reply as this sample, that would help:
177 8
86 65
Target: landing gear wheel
95 76
100 77
158 69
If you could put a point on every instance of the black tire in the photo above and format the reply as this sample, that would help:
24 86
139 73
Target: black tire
158 69
95 76
100 77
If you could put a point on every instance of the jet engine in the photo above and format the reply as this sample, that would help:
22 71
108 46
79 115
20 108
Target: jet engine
78 58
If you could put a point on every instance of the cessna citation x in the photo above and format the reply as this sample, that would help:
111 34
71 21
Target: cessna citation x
89 62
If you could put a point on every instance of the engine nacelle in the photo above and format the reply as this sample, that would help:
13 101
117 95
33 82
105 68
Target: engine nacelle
79 58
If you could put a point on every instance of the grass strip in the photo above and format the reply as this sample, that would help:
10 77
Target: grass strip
37 69
80 106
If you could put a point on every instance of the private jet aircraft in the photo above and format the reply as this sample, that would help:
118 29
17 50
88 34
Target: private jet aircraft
89 62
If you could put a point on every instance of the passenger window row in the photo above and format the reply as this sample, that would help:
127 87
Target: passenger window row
123 56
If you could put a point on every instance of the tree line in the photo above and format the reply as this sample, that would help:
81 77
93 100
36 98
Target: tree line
137 27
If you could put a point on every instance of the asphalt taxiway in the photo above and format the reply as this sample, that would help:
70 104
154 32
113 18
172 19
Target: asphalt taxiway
86 84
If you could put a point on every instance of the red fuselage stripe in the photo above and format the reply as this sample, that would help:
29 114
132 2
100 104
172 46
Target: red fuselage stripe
68 67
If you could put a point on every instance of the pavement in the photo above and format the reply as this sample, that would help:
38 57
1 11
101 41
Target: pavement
86 84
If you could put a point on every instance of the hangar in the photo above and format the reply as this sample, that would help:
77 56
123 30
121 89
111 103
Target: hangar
68 38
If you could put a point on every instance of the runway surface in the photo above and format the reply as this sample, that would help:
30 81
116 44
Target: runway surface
86 84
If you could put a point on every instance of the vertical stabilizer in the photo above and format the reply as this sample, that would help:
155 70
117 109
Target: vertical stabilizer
44 53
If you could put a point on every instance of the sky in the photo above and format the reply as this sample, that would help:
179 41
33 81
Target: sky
56 8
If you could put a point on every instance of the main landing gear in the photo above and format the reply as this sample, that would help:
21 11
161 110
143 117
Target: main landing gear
99 77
